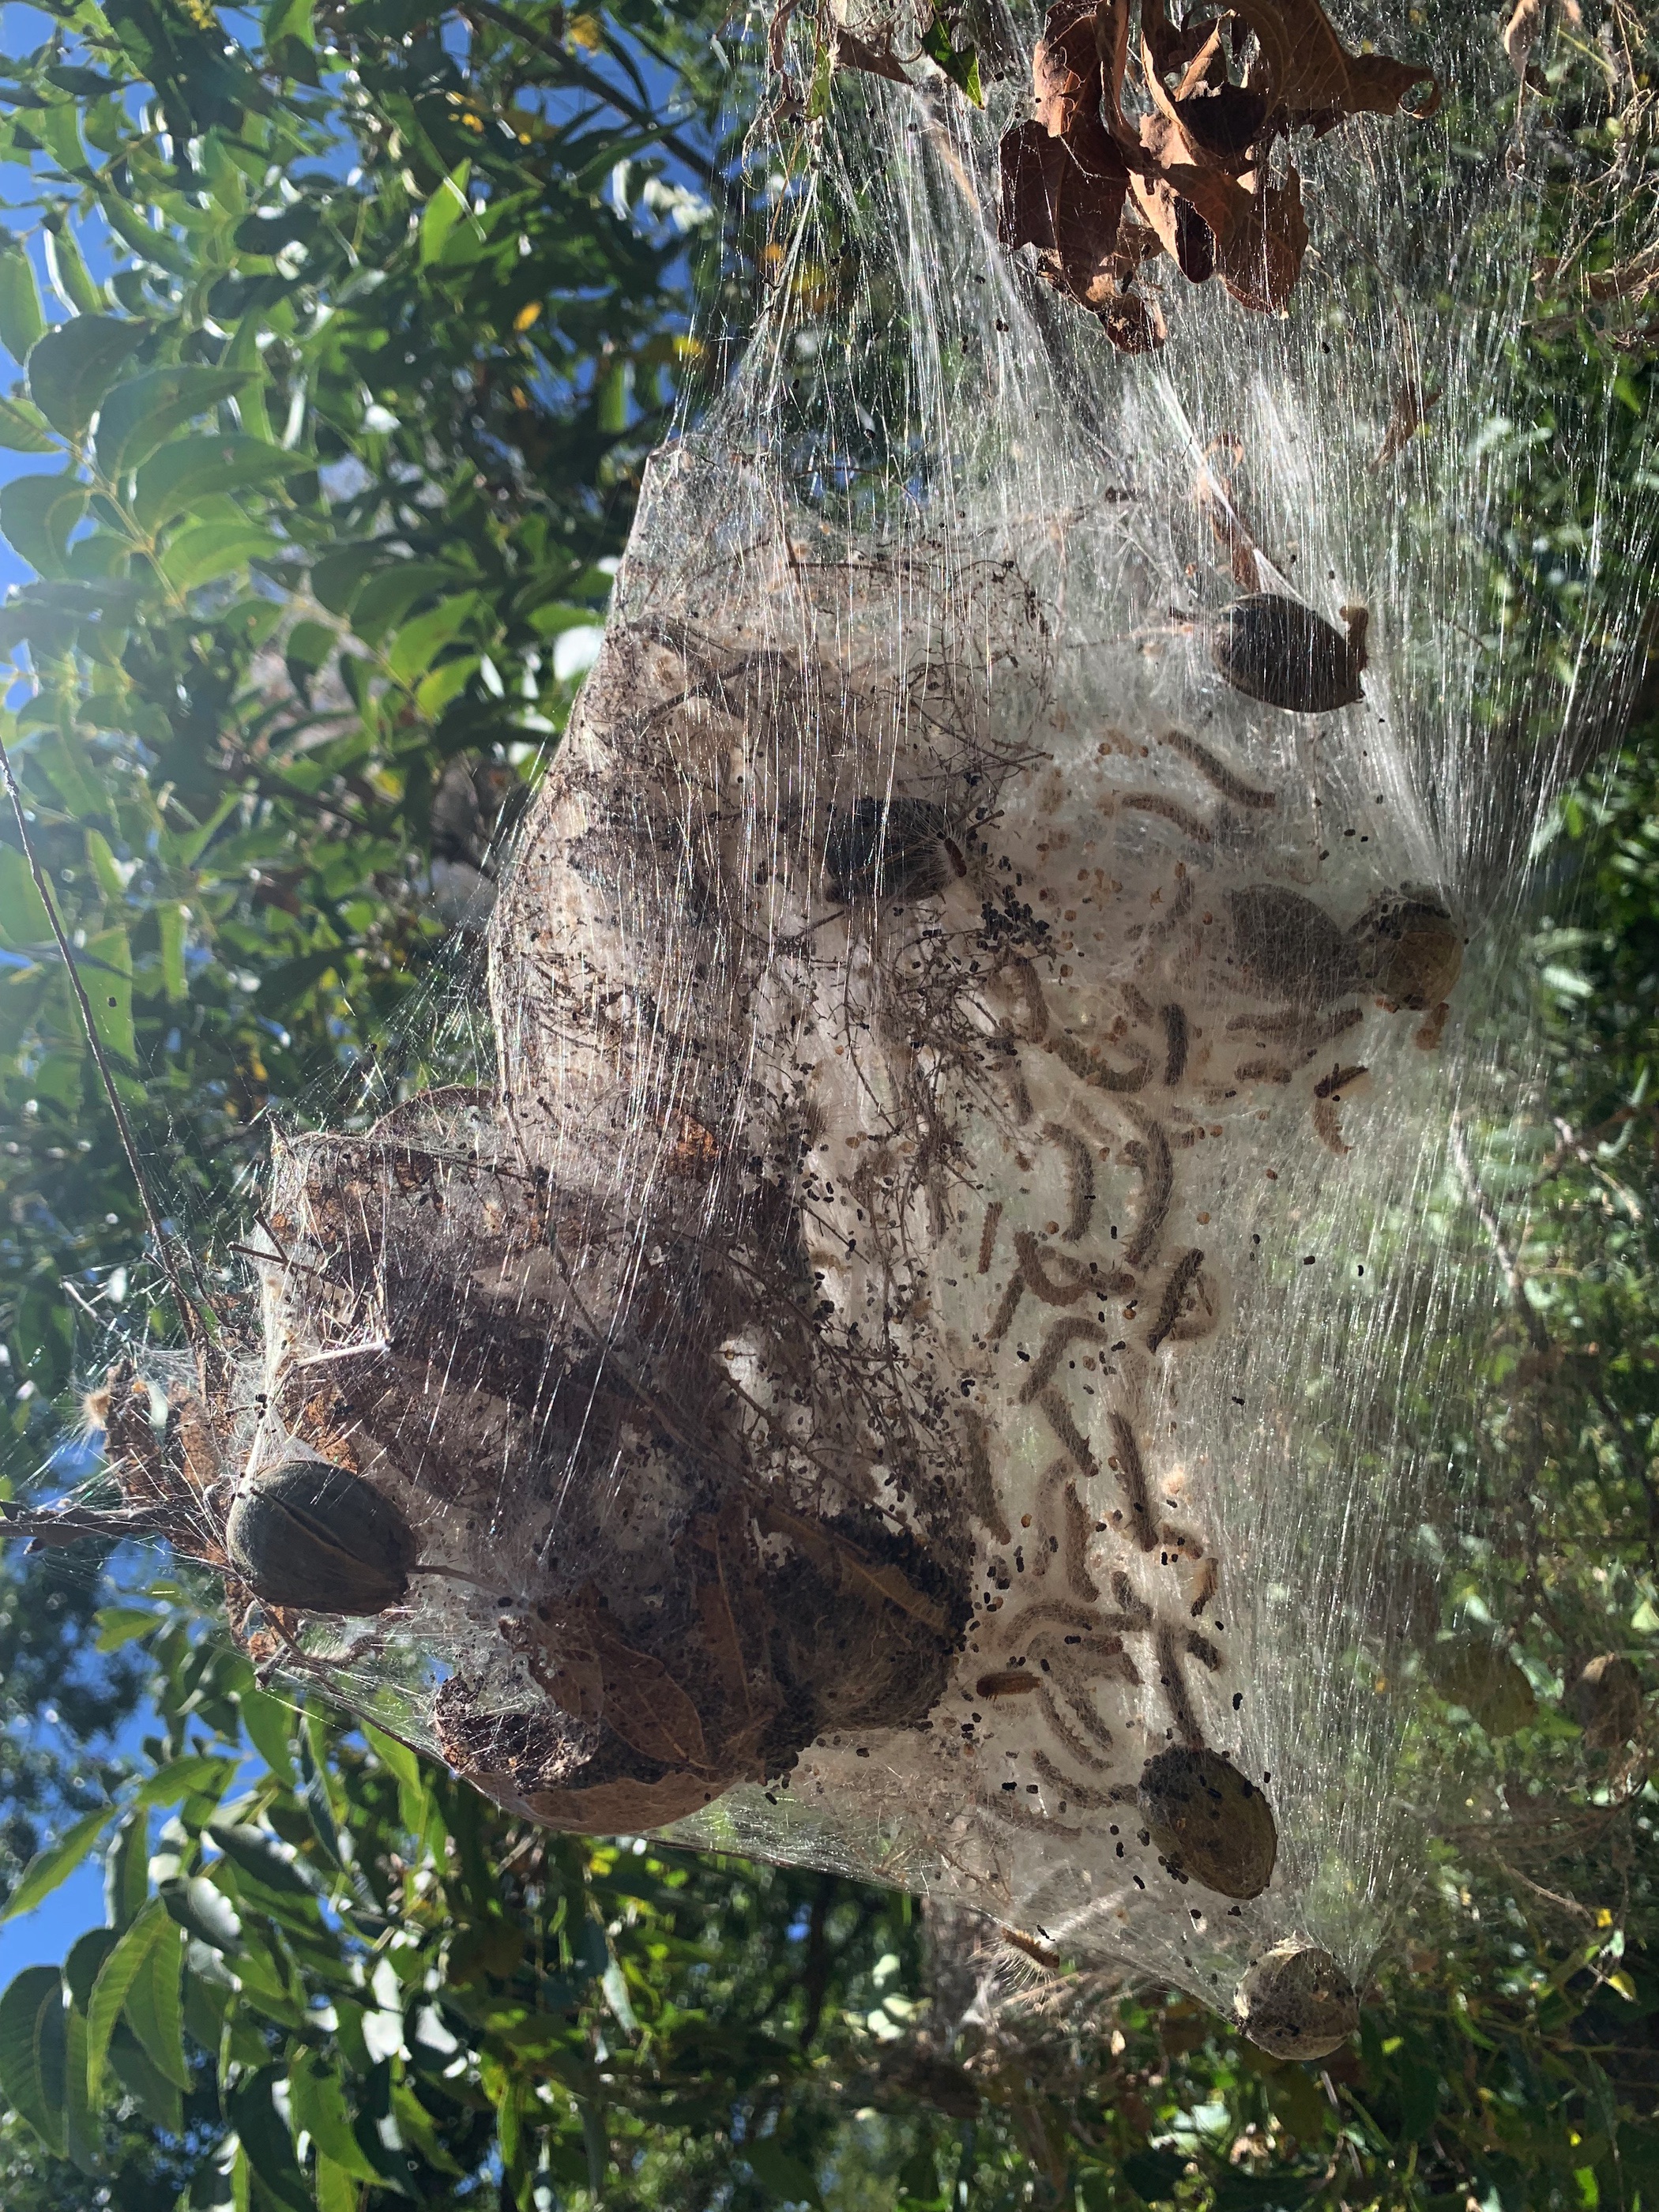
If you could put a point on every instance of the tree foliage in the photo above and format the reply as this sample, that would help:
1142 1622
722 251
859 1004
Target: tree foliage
340 333
328 466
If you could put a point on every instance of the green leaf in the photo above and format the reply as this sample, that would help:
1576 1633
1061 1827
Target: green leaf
158 248
614 390
23 427
266 1720
107 972
73 369
397 1758
260 1857
143 413
21 321
443 212
190 848
307 648
63 754
100 859
47 1868
252 2113
154 2003
115 1979
1419 2097
188 470
778 2173
172 920
317 2104
80 2128
197 1774
205 1912
32 2052
336 577
387 597
67 271
60 132
121 1624
42 1341
37 514
1153 2174
435 692
208 550
290 41
22 917
960 65
418 643
336 2190
126 1872
134 2061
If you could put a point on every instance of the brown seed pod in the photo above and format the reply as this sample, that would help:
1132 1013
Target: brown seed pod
1410 949
1209 1821
1606 1701
1295 2002
318 1539
1275 649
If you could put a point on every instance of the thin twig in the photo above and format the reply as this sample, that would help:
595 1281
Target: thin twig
1531 1320
191 1318
591 81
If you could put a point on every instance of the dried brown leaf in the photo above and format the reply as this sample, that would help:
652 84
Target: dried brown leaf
853 53
1412 407
1223 202
1520 35
645 1705
1379 85
1249 571
1065 197
1096 190
1133 324
873 1578
1302 67
1263 259
1066 67
617 1808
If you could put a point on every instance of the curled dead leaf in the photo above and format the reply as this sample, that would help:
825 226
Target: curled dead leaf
1065 197
1520 35
1304 70
614 1808
1263 258
1095 188
1412 407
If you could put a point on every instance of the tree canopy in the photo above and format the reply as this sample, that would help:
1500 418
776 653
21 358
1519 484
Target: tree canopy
340 335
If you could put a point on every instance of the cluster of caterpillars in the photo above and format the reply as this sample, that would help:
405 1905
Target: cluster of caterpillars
1152 1070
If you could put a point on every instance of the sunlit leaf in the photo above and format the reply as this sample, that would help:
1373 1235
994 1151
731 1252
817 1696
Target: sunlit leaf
208 550
444 210
188 470
73 369
32 2052
55 1864
144 411
115 1979
21 319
